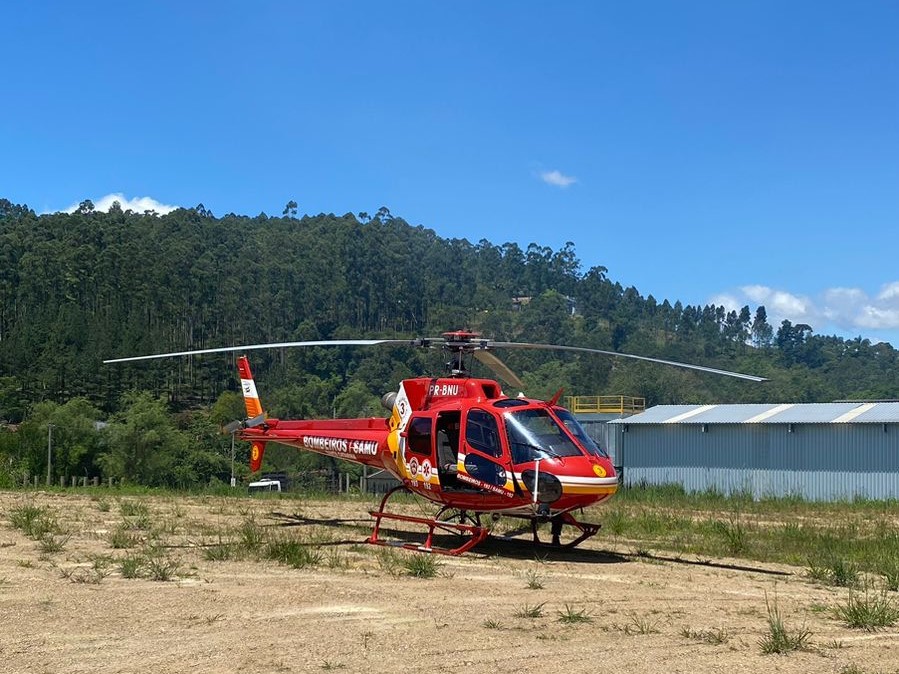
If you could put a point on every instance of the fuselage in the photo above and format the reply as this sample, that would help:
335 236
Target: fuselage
461 442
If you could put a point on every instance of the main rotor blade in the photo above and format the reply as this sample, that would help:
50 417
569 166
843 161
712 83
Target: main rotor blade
251 347
580 349
499 368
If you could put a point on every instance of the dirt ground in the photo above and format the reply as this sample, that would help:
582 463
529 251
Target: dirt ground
357 610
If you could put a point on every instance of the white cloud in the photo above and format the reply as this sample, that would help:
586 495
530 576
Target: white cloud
890 293
557 178
729 302
137 204
780 302
878 318
840 303
849 311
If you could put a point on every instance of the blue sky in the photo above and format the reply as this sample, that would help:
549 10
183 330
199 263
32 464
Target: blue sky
736 153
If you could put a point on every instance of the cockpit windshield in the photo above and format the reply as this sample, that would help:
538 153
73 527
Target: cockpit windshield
534 434
574 427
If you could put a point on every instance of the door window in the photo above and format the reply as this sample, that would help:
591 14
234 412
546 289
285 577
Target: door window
418 437
482 433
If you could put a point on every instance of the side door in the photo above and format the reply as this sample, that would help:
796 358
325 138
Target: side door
419 463
484 460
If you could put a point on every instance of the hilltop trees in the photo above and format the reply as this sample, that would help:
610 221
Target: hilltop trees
78 288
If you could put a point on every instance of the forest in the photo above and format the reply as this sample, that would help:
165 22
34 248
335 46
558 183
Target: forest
79 288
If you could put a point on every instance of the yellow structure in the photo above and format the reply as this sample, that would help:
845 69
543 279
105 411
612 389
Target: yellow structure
605 404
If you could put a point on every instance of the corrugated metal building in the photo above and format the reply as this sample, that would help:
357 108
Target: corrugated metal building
821 451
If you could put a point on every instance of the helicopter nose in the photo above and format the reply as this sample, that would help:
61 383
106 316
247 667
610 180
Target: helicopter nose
546 487
603 469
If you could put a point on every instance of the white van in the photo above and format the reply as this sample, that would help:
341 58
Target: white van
264 485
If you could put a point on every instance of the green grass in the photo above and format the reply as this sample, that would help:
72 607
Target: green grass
122 538
534 579
132 566
639 624
220 552
34 521
130 508
422 565
50 543
714 637
868 611
161 568
834 571
529 611
573 616
735 535
779 638
292 552
390 561
839 540
252 535
889 569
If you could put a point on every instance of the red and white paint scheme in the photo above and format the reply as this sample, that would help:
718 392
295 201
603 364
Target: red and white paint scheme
458 441
467 447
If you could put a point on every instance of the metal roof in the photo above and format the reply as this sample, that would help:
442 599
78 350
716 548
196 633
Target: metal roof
786 413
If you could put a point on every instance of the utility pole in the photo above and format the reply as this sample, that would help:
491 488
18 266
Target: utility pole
233 481
49 451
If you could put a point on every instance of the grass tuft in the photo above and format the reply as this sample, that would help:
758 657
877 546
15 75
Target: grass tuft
638 624
780 639
130 508
572 616
422 566
870 611
528 611
122 538
252 536
35 522
716 637
161 568
132 566
220 552
292 552
534 579
390 561
735 534
50 543
834 571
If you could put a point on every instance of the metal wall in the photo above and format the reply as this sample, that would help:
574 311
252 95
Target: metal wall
816 461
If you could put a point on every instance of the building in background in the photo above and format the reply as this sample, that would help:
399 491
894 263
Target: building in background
819 451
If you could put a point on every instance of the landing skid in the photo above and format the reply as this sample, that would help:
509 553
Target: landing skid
453 522
587 530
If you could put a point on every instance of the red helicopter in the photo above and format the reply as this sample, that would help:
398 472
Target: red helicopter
458 441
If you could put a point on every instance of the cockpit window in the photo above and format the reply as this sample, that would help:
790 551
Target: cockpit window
534 434
574 427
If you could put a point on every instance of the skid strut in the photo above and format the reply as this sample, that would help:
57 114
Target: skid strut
587 530
472 533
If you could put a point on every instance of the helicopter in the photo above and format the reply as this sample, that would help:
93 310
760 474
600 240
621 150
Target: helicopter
458 441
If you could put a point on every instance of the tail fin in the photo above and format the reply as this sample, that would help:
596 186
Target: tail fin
254 409
248 386
257 451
